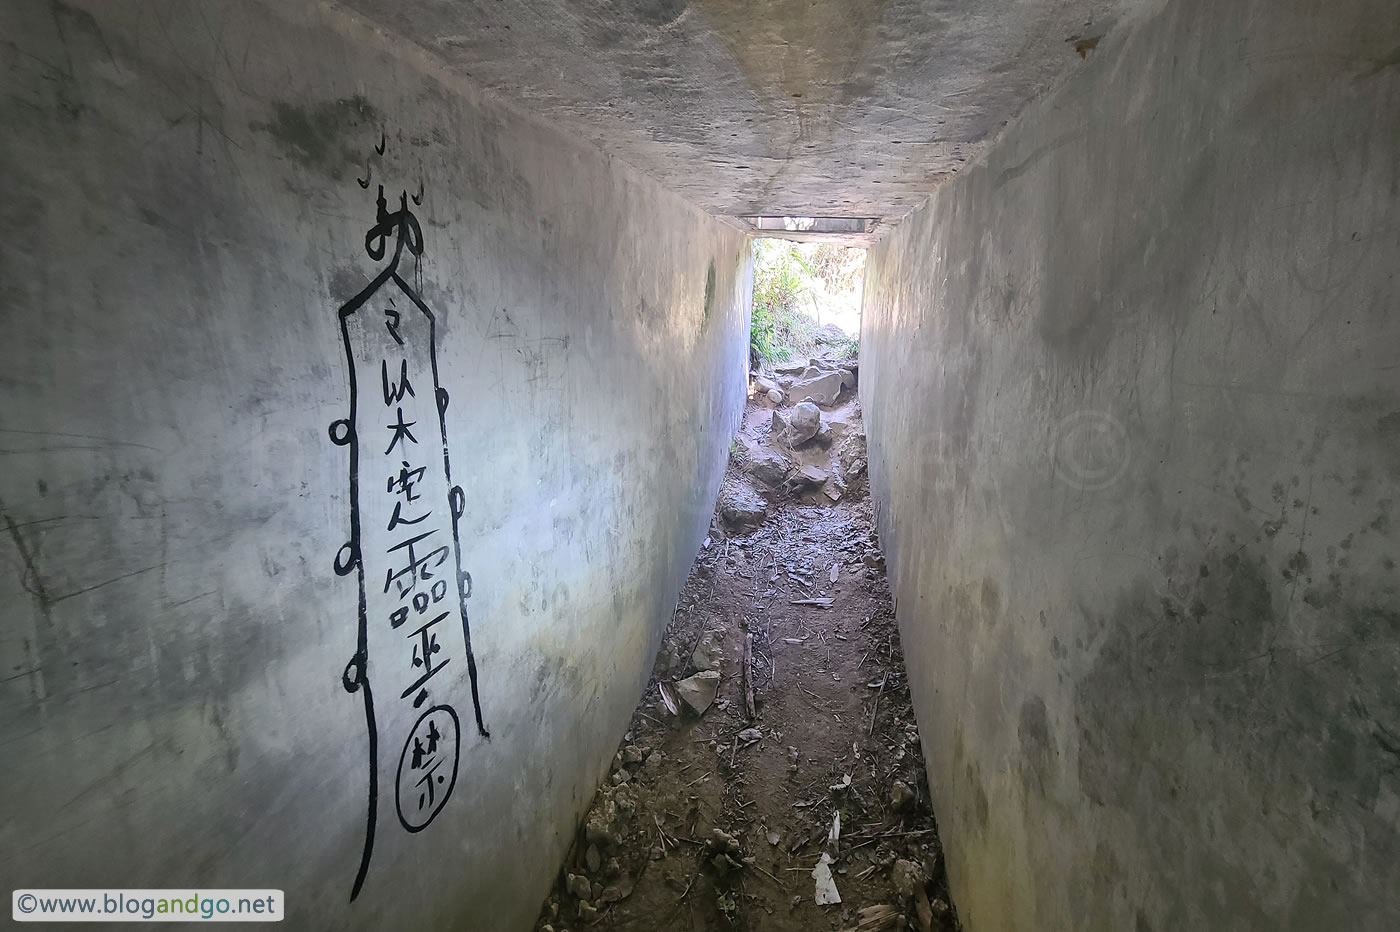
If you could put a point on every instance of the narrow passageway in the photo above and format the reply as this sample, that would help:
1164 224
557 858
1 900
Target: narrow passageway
776 736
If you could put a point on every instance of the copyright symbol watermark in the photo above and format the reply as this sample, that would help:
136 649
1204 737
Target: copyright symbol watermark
27 903
1090 450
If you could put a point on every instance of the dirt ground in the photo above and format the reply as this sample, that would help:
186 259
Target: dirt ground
716 821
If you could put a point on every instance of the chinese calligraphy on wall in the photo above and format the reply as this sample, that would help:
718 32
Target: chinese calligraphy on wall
414 643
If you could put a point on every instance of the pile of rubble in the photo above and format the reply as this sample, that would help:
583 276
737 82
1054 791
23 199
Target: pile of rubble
819 380
803 451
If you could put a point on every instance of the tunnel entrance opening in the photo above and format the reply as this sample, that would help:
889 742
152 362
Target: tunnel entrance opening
813 224
806 302
772 775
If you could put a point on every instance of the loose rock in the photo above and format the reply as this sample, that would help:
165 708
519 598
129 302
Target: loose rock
708 652
741 505
804 422
808 477
698 691
823 387
578 886
901 796
767 466
906 877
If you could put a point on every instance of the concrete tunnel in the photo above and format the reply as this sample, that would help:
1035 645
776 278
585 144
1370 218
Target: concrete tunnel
1156 685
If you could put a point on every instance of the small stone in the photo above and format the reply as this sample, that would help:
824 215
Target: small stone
624 799
906 877
805 421
763 385
767 466
632 755
808 477
670 655
708 652
739 504
722 841
774 839
750 734
698 691
901 797
597 891
593 859
578 886
612 868
775 396
585 911
601 825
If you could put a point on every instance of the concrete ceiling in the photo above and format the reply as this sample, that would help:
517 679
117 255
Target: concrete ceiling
827 108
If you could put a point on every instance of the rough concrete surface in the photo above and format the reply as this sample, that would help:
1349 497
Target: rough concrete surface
769 107
183 217
1134 410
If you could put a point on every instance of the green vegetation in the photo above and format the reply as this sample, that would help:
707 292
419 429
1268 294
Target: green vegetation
797 289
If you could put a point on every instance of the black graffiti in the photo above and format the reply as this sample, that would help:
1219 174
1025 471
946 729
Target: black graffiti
425 757
422 563
394 392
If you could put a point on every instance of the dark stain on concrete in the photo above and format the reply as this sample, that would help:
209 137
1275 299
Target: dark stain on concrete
991 599
1283 684
1382 522
709 291
1038 751
346 282
660 12
318 136
798 50
981 808
1083 45
1389 60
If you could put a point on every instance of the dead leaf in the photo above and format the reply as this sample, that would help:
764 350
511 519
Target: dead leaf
668 697
876 919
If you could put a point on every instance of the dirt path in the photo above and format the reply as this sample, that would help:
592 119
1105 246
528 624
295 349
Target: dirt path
716 821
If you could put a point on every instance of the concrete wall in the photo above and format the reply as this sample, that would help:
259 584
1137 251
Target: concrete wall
1133 399
182 220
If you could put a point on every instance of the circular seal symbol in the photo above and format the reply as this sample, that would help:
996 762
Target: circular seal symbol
427 767
1090 450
